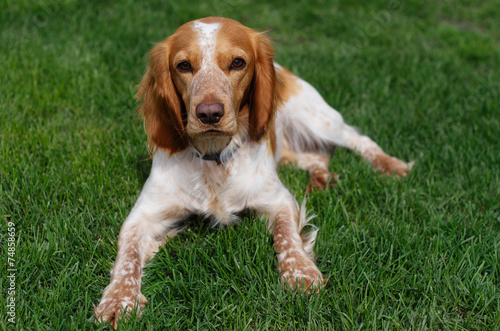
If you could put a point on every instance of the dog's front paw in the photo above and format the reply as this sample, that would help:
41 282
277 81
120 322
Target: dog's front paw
300 272
117 304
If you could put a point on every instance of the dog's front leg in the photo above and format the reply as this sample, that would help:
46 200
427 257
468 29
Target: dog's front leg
143 232
295 255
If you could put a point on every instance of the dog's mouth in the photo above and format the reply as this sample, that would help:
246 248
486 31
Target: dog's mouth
199 131
214 132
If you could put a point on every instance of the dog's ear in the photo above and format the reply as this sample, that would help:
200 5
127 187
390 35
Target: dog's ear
264 95
161 106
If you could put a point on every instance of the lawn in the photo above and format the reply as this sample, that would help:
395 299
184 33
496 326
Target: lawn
422 78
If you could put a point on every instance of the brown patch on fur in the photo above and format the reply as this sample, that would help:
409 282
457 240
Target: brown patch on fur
290 86
272 140
321 179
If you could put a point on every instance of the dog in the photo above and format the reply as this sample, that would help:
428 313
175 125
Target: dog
220 115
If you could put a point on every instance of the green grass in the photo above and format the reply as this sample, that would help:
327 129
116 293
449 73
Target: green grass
421 78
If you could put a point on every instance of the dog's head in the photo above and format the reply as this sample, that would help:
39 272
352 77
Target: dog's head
212 79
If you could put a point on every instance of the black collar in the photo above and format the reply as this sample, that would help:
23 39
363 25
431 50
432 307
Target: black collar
214 157
217 156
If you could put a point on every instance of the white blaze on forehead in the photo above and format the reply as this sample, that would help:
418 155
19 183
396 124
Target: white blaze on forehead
208 38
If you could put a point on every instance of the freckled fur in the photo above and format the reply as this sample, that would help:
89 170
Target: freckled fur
269 114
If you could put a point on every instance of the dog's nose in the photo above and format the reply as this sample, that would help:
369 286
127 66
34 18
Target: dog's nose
210 112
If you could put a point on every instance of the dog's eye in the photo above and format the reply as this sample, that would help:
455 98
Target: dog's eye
238 63
184 66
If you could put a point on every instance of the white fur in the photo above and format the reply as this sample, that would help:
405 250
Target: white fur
207 34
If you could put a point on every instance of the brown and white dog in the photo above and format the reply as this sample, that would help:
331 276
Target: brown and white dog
220 115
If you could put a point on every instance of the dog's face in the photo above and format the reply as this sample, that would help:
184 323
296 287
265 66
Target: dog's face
212 72
214 77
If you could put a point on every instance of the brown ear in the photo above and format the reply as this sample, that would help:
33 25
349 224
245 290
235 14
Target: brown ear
265 95
161 106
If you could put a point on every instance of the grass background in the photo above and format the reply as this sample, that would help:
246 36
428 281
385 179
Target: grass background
421 78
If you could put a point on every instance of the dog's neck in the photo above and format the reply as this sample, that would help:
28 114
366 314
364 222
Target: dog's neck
210 145
217 157
218 151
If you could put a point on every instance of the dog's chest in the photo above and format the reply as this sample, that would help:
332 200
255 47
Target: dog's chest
214 191
222 191
213 180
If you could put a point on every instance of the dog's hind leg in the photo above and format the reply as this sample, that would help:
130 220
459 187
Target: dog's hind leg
316 164
310 125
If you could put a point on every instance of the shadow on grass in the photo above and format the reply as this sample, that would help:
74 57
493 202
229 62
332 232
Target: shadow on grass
143 167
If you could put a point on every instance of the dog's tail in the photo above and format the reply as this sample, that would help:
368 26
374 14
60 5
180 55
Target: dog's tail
308 236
